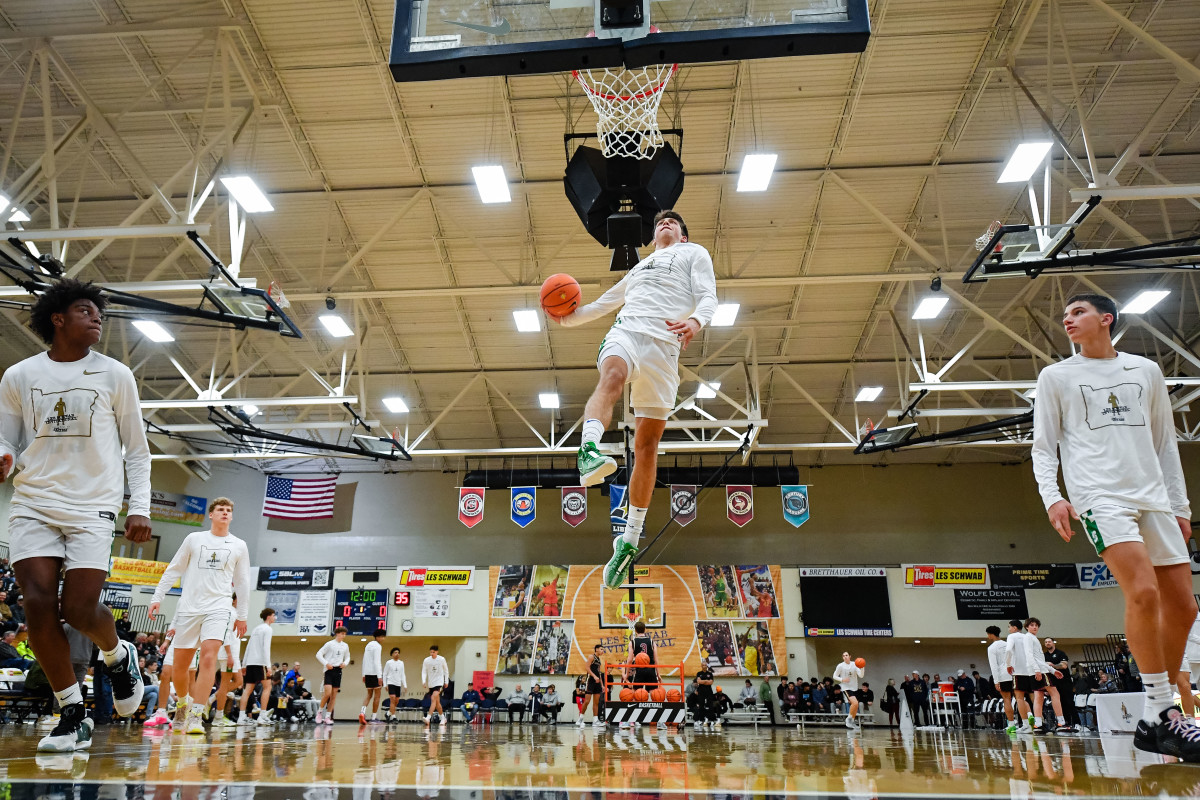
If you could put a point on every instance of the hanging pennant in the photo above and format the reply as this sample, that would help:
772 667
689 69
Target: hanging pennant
470 506
618 507
574 505
683 503
524 504
795 504
739 504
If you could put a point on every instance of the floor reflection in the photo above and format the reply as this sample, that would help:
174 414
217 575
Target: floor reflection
502 762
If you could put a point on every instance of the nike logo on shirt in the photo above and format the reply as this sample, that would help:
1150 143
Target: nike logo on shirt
97 372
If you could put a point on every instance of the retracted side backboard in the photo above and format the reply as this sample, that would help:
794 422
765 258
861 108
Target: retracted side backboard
438 39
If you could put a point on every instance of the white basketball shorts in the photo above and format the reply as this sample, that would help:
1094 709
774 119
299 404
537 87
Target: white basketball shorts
1106 525
79 545
653 369
192 629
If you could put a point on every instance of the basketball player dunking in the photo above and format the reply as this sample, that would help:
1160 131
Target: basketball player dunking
665 300
1109 416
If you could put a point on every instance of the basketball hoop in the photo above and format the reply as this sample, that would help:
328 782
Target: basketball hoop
626 100
981 242
276 293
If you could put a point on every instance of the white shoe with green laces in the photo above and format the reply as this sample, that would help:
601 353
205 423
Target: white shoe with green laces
594 466
617 568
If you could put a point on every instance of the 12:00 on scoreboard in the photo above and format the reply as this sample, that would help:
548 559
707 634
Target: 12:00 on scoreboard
361 611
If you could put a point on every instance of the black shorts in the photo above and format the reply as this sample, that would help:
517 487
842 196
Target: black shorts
594 687
1027 683
255 673
429 692
333 677
371 681
395 690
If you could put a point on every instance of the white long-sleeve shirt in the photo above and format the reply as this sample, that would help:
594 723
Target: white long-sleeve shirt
673 283
1023 652
334 654
997 653
372 656
211 569
1110 420
393 674
434 672
75 432
848 676
258 649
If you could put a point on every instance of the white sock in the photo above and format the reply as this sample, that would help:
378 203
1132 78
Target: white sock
113 656
593 429
1060 720
69 696
1037 722
198 709
374 715
1160 696
633 529
363 711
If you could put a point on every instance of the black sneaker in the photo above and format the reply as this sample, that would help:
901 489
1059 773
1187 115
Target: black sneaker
1173 735
127 685
73 732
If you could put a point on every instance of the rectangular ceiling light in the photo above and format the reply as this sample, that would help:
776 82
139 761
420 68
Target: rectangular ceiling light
18 215
548 399
868 393
707 390
153 331
396 405
528 320
492 185
248 195
1024 161
335 325
725 314
1145 301
756 172
930 307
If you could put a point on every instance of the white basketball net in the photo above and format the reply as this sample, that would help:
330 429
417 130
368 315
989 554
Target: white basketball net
626 100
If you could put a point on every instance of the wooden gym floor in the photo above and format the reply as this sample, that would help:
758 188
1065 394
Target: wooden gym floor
532 761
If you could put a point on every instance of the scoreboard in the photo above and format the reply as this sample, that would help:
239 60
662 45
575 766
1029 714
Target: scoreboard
361 611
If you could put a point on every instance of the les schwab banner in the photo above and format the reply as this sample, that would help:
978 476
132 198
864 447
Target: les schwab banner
435 577
961 576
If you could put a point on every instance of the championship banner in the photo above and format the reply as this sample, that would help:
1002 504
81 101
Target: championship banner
618 507
435 577
524 504
136 571
1096 576
1034 576
795 504
940 576
470 506
574 505
683 503
739 504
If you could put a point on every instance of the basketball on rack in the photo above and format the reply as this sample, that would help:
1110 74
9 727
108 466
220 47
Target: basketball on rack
626 695
560 295
674 696
860 662
658 694
641 695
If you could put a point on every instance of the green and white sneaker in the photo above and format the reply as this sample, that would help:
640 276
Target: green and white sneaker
594 466
73 732
617 568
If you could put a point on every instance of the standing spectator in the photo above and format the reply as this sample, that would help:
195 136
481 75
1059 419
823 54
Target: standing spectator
579 697
1124 666
891 701
517 702
916 692
1066 690
747 697
764 697
703 699
1081 681
965 687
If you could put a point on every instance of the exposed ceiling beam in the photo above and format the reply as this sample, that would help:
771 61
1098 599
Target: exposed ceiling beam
184 25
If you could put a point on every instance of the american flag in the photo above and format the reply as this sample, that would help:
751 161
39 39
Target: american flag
299 499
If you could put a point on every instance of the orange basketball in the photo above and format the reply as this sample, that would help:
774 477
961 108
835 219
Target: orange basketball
626 695
641 659
658 695
673 696
860 662
641 695
560 295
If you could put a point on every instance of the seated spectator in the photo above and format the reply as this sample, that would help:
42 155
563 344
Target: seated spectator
470 703
866 697
1107 685
18 610
722 703
517 701
6 615
551 705
9 656
492 693
1081 681
150 688
791 700
536 693
818 696
837 701
747 697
